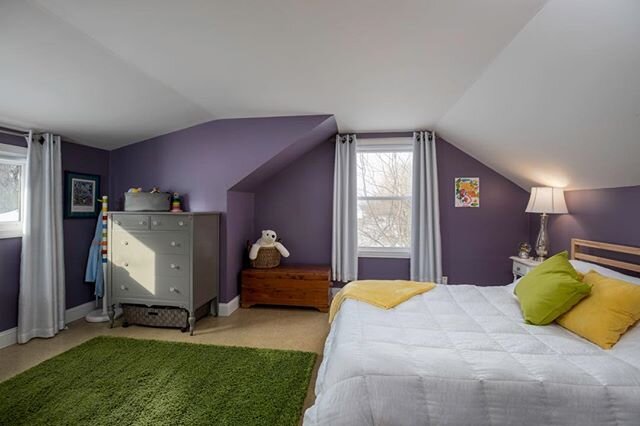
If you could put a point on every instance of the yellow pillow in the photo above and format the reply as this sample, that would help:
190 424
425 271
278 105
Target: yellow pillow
605 315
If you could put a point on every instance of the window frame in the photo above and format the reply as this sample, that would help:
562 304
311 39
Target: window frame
403 144
12 154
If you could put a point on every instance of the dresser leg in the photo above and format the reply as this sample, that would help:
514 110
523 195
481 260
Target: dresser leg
111 312
192 322
215 306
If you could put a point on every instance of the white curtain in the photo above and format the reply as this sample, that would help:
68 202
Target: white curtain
426 257
42 300
344 245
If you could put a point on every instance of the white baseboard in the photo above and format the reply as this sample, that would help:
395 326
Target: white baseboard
226 309
10 337
77 312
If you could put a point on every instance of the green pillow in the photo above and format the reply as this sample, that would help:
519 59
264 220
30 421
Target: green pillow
550 290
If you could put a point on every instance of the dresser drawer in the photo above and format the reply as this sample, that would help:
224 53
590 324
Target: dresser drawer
174 289
173 266
128 286
125 243
167 242
131 222
170 222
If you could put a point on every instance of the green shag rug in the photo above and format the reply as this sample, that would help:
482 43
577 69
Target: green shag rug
117 381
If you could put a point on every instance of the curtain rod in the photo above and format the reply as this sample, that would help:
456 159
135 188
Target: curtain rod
382 135
14 132
25 133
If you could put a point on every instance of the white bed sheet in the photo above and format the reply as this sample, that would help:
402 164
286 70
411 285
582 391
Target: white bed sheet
462 355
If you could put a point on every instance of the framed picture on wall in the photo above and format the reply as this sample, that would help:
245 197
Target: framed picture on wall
81 198
467 192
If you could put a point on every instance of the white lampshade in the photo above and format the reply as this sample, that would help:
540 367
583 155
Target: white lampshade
547 200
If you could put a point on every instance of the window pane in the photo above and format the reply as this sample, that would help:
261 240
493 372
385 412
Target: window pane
10 186
382 174
384 223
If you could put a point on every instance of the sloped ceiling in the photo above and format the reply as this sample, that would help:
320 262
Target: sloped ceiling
560 106
538 90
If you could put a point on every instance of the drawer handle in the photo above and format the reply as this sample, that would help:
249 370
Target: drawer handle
125 243
174 266
181 223
118 222
124 287
155 223
174 244
142 222
173 290
126 264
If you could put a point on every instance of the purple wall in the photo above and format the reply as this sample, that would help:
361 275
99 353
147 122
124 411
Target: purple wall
207 160
77 237
297 204
218 163
10 283
78 233
477 243
239 228
608 215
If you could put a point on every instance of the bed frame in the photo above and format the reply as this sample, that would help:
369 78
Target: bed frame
576 253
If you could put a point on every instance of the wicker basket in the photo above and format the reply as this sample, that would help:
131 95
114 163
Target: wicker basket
268 257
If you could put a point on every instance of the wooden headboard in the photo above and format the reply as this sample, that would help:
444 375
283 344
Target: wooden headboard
576 253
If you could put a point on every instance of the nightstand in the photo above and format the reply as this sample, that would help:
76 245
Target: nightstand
521 267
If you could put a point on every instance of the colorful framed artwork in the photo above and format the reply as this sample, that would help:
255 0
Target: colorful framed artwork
81 195
467 192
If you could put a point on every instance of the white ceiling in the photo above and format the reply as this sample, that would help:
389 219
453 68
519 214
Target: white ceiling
538 90
560 106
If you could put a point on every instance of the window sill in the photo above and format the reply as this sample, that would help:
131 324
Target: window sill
9 233
384 254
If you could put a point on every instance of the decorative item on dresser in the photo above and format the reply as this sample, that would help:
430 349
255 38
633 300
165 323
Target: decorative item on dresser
306 286
164 259
522 266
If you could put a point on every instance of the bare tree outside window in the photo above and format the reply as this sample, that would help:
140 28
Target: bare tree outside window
384 199
10 192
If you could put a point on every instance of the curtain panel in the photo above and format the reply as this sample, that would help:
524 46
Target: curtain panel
41 305
426 257
344 242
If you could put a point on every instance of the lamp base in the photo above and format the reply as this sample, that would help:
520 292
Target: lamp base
542 242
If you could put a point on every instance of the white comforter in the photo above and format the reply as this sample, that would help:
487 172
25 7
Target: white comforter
462 355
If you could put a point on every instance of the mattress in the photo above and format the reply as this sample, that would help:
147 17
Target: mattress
462 355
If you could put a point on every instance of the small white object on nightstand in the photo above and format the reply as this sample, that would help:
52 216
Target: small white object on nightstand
521 267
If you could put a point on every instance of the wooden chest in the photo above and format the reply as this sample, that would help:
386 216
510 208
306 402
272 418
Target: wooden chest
287 285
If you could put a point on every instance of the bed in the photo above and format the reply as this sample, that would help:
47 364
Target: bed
462 355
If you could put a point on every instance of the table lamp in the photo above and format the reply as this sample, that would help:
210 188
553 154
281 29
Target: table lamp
546 201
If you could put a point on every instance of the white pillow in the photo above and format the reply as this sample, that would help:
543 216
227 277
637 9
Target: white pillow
585 267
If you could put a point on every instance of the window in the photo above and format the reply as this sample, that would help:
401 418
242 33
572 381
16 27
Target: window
12 165
384 197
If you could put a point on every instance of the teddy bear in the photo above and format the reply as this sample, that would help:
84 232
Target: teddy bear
268 239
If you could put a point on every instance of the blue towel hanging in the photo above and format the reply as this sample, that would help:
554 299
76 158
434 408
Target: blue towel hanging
94 272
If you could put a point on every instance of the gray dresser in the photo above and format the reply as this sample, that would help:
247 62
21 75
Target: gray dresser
163 259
